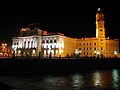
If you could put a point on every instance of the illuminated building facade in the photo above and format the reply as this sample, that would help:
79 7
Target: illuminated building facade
99 46
38 42
5 50
43 43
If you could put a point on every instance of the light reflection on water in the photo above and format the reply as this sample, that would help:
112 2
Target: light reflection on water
97 79
115 79
87 80
77 80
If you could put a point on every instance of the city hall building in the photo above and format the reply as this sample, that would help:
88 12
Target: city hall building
38 42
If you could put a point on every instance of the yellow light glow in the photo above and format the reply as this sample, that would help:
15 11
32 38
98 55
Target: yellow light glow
76 51
115 52
19 51
48 51
61 51
5 44
45 52
33 51
56 51
23 29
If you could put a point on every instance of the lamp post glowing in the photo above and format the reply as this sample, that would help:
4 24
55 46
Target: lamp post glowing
78 52
115 53
98 53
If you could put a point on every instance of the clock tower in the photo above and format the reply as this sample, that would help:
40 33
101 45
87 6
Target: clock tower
100 29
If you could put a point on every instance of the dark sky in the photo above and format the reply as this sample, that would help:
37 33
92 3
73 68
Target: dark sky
73 22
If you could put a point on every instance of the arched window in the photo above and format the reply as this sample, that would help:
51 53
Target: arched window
50 40
55 41
28 44
43 41
47 41
32 44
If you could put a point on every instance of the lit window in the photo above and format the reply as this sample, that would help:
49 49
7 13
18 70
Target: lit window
19 51
48 51
61 51
56 51
44 51
33 52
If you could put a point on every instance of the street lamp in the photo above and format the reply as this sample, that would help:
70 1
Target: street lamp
98 54
78 52
115 53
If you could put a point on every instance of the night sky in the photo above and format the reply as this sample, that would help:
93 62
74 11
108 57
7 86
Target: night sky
73 22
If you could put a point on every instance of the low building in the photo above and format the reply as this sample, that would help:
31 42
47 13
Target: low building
5 50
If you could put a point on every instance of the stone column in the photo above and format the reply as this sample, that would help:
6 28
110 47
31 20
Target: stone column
39 45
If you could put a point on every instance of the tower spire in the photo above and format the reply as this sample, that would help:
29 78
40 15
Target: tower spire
100 29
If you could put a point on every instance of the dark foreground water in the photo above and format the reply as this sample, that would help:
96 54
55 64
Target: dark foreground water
80 80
